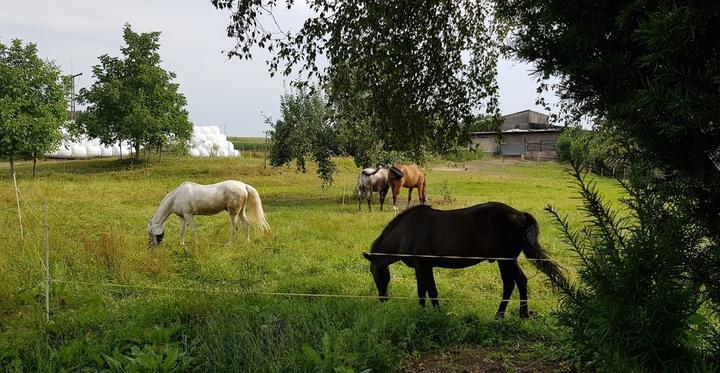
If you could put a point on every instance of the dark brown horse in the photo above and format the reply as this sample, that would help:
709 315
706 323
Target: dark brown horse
423 238
408 176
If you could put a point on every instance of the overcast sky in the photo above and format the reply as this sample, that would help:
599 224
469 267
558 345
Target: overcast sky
230 93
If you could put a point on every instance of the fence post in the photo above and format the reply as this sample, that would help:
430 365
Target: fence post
344 191
17 199
47 264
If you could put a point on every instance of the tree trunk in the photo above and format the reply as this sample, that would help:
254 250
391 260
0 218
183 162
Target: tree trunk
147 156
34 163
12 166
121 149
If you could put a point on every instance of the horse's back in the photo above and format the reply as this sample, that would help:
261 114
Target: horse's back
373 180
208 199
413 176
490 229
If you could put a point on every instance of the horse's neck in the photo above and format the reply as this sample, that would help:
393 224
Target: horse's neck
164 210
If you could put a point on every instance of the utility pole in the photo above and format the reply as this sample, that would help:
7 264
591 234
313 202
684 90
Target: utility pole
72 95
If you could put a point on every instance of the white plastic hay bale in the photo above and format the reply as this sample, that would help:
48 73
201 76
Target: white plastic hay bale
230 145
78 151
235 153
106 151
215 130
203 152
93 151
194 152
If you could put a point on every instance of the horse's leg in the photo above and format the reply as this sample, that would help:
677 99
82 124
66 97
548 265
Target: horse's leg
369 200
233 225
182 231
245 222
521 281
383 194
188 219
507 273
409 196
430 285
420 278
421 192
395 192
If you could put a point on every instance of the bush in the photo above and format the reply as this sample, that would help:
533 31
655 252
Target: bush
598 151
634 307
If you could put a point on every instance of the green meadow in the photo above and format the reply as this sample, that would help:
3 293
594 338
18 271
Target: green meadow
117 305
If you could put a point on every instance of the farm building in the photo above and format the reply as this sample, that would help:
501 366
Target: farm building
526 133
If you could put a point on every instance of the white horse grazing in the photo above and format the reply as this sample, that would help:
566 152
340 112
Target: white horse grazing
196 199
372 180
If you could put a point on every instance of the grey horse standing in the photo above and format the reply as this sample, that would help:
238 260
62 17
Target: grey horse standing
372 180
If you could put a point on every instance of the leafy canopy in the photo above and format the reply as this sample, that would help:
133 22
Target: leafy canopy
33 101
304 129
133 98
651 72
423 69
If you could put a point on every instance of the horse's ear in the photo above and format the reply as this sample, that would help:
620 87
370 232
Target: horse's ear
367 256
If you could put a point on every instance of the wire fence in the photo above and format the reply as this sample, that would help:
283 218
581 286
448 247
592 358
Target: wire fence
228 290
481 297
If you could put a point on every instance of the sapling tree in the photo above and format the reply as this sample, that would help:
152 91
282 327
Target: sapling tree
33 103
134 99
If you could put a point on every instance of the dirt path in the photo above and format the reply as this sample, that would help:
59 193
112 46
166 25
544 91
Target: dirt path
479 165
477 359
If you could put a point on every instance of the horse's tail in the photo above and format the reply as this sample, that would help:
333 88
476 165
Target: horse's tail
362 184
258 215
542 261
370 173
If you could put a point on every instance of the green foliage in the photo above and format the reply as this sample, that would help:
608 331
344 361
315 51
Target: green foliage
33 102
315 247
486 123
634 307
134 99
304 130
598 150
651 71
417 73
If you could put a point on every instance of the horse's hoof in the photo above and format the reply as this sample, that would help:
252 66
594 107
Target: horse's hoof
499 316
527 315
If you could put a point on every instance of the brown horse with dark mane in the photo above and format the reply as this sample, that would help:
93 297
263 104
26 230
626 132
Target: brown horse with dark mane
408 176
424 238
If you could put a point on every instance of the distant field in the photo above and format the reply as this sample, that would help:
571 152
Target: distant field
248 143
98 216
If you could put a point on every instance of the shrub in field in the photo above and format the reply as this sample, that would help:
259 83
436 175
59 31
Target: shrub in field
134 99
634 307
33 100
598 151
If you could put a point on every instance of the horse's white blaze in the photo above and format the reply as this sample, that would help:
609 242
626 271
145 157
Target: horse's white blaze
191 199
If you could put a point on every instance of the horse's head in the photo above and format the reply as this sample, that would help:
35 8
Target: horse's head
381 274
155 233
396 173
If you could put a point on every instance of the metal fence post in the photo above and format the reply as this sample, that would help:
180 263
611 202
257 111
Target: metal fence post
47 264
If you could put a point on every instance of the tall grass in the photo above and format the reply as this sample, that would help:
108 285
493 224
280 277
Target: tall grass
98 215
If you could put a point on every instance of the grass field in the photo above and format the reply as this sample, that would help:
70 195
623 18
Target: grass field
98 216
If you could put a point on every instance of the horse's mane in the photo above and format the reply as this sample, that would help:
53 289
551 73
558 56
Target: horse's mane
396 221
172 193
396 171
